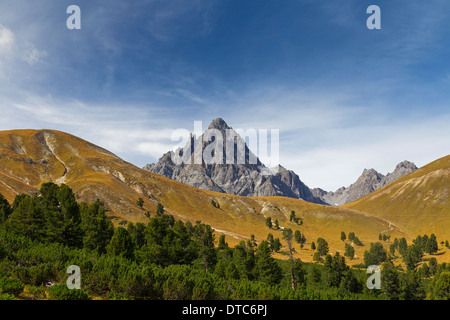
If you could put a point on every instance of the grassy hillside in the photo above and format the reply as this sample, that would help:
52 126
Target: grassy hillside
29 158
417 203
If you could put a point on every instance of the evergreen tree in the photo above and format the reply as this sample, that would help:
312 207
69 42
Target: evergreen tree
288 237
343 236
431 246
433 265
277 226
269 222
204 237
243 260
292 217
349 251
413 256
441 286
266 268
98 229
222 243
68 229
277 245
392 249
403 247
376 255
313 246
412 286
28 219
390 282
5 209
137 233
121 244
334 269
298 236
140 203
351 236
322 246
270 241
159 209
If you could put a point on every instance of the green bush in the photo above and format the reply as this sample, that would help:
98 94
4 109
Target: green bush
61 292
11 286
6 296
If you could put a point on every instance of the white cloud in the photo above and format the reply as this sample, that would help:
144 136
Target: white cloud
333 165
121 129
33 56
6 39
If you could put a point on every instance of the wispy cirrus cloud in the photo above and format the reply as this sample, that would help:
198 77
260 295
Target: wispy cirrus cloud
342 96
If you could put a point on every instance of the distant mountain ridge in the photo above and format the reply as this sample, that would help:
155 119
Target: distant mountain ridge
244 179
417 203
29 158
369 181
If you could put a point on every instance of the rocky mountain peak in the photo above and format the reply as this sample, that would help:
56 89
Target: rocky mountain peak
370 180
405 165
219 124
246 179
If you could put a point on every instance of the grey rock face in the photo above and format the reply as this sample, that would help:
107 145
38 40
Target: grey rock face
370 180
243 178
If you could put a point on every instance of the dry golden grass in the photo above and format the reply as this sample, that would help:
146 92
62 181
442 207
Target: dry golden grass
417 203
29 158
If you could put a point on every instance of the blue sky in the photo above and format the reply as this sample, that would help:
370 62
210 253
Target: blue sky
344 97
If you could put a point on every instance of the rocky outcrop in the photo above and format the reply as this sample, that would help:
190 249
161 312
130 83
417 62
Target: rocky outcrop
246 178
370 180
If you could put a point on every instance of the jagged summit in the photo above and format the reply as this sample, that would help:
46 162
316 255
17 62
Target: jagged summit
369 181
247 178
219 124
251 179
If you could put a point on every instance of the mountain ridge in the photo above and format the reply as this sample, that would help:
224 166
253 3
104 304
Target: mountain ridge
369 181
245 179
418 202
29 158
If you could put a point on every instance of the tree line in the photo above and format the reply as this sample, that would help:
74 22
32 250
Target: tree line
42 234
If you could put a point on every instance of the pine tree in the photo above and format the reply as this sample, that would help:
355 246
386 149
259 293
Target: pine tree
140 203
222 243
390 282
277 226
441 286
28 219
431 246
349 251
5 209
204 237
269 222
402 247
266 268
98 229
276 245
343 236
159 209
298 236
288 236
322 246
351 236
121 244
270 241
